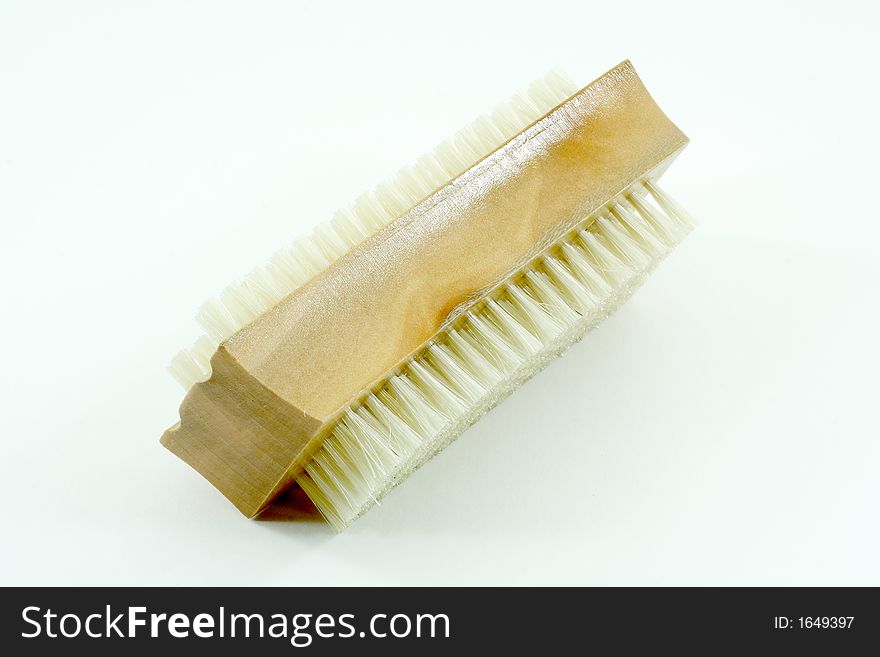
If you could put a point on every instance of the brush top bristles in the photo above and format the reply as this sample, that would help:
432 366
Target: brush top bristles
245 300
310 343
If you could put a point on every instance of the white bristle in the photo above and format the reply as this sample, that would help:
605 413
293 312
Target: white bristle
615 272
194 364
244 301
216 320
491 349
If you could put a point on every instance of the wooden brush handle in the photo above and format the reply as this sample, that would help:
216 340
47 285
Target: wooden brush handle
279 384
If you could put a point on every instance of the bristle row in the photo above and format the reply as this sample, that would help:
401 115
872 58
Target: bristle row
489 352
243 301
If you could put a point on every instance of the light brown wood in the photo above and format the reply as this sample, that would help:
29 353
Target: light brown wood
279 384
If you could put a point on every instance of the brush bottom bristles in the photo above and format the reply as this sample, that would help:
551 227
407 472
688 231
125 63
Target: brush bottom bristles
490 351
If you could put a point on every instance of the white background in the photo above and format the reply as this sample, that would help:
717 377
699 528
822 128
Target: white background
720 429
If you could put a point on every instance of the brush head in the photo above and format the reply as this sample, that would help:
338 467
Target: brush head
393 344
